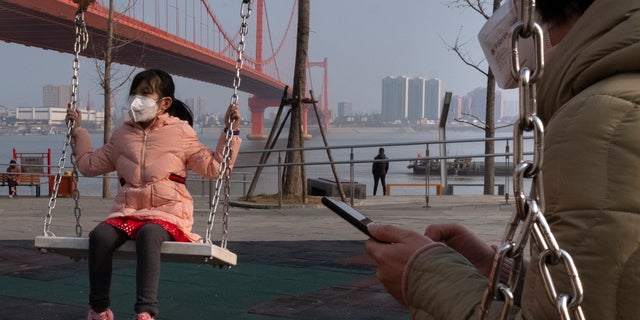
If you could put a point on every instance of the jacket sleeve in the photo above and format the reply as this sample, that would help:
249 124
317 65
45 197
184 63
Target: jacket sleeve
204 161
91 163
441 284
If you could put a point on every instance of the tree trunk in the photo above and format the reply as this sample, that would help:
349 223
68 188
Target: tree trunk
108 57
292 184
490 127
489 132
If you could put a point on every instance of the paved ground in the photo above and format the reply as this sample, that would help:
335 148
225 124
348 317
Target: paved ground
293 263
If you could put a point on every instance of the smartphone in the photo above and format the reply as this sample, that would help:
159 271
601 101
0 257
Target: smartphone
350 214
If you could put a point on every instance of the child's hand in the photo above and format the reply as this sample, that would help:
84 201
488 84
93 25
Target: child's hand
73 115
233 114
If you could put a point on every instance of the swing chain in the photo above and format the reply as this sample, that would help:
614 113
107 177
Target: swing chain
225 207
245 13
529 214
81 41
225 170
223 178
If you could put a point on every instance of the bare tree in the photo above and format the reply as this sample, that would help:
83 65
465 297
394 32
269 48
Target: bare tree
293 176
480 6
473 123
105 74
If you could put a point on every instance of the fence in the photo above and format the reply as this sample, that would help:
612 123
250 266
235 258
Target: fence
243 175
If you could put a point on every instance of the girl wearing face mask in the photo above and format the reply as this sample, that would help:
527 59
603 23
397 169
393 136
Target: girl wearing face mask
151 154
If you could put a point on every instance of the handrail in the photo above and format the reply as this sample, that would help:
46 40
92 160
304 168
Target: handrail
387 144
246 171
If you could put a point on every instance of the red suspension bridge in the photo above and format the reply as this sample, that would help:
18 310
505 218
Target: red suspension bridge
185 38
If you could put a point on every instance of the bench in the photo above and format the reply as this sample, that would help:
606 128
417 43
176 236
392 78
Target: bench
437 185
329 188
29 180
451 185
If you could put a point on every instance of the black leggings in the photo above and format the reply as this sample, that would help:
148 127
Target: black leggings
12 186
103 240
380 178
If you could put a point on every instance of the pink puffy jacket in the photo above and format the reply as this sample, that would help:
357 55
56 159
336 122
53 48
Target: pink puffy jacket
144 159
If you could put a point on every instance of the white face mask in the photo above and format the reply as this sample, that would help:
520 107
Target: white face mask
495 40
142 108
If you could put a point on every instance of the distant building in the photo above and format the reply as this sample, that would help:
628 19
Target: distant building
412 99
56 96
416 99
56 116
198 106
500 106
433 99
456 107
475 104
344 109
511 108
395 102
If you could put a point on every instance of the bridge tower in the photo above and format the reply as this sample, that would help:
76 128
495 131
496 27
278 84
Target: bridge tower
324 99
258 104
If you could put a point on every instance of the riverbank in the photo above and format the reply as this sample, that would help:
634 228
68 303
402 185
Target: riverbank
366 130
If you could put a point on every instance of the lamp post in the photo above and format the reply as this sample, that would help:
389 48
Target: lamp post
442 136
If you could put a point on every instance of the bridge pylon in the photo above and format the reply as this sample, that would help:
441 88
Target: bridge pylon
258 105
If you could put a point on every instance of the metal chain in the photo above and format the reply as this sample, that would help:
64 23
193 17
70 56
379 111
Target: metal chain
81 42
225 169
529 214
245 13
225 208
223 177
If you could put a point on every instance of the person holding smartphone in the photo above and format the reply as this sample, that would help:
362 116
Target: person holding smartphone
589 101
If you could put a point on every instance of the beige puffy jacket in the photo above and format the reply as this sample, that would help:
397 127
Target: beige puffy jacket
589 99
144 159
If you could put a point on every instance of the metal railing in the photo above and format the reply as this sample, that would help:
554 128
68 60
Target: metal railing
243 173
352 162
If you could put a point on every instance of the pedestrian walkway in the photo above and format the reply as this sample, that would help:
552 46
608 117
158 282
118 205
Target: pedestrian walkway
293 263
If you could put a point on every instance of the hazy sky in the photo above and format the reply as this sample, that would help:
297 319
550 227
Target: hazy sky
364 41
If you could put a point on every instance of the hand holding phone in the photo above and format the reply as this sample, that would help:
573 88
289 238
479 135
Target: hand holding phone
350 214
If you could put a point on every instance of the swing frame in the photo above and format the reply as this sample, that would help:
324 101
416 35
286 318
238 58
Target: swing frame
171 251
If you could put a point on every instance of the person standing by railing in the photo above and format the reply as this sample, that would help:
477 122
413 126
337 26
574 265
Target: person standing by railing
13 177
379 169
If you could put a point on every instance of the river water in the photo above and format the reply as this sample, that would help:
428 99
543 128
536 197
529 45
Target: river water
369 138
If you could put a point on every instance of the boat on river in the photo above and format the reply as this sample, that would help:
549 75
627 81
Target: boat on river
420 167
460 167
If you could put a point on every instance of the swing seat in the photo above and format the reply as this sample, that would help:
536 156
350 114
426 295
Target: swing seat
172 251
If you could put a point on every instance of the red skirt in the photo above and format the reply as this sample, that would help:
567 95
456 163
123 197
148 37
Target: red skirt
131 227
